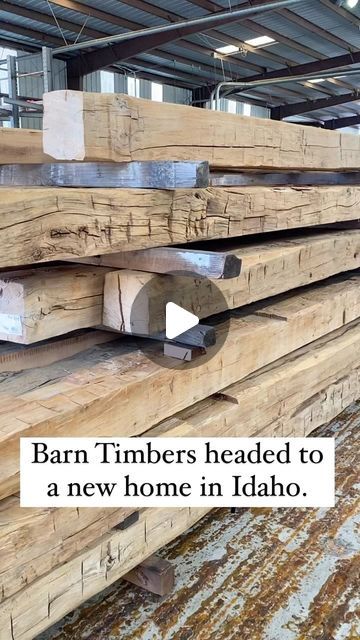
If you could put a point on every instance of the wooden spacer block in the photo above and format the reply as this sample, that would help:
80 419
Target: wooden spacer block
128 522
182 351
153 574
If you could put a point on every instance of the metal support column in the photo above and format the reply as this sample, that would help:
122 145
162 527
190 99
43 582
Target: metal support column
46 57
12 80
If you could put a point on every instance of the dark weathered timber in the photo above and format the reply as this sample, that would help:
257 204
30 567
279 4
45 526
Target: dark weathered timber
154 575
285 178
208 264
137 175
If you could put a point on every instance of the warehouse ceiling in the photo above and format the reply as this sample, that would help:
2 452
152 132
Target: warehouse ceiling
308 36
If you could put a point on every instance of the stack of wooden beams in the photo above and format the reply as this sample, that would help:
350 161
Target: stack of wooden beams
285 258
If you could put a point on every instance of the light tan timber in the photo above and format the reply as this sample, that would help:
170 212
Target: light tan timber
118 127
36 304
104 390
290 398
39 224
19 357
267 269
21 146
87 573
34 541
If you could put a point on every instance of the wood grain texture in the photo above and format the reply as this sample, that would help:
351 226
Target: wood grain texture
117 127
35 541
21 146
288 398
103 391
208 264
36 304
88 572
268 268
41 224
291 397
153 574
263 573
15 357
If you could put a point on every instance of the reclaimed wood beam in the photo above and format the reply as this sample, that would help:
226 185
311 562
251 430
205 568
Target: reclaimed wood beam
40 224
118 127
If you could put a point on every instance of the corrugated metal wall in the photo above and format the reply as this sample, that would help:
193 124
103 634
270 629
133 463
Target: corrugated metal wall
105 81
92 82
242 108
176 94
33 86
95 82
120 83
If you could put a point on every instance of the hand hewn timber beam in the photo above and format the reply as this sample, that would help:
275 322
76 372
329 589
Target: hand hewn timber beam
140 43
341 123
284 111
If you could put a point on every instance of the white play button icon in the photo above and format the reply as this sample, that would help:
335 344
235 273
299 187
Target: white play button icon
178 320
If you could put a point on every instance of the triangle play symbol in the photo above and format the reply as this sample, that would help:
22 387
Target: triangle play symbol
178 320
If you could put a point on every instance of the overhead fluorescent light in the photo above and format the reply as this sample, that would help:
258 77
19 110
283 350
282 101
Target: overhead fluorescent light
351 3
316 80
260 41
227 49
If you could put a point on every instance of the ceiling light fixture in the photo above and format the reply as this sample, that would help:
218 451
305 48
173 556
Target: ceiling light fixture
227 49
350 4
316 80
260 41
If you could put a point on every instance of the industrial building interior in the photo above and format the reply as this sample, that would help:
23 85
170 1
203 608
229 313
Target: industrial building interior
302 39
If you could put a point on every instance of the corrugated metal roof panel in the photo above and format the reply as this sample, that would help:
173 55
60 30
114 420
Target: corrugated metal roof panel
22 22
22 39
181 7
319 14
301 35
121 10
198 66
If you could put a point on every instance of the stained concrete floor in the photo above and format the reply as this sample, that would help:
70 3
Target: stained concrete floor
262 574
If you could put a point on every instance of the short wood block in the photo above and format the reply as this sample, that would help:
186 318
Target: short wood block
154 574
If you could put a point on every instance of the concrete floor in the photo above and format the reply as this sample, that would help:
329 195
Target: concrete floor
263 574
